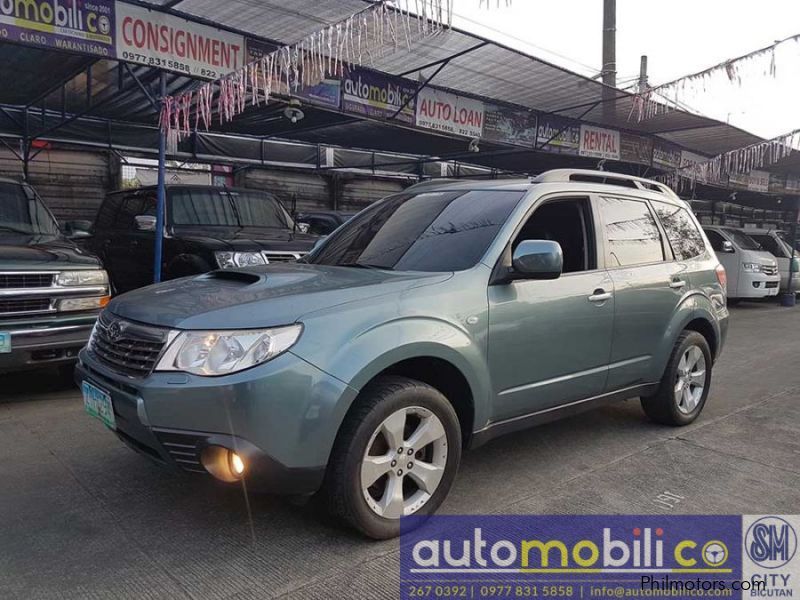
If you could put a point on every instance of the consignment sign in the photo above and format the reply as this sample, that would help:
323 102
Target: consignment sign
157 39
73 25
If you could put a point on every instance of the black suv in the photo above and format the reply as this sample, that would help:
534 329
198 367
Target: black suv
206 228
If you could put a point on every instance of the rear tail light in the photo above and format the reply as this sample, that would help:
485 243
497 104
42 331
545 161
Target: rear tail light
722 277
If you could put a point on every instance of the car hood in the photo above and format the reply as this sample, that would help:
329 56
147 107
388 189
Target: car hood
759 256
246 239
260 297
38 252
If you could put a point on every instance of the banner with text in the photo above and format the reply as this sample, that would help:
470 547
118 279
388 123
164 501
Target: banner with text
635 148
74 25
556 134
509 126
378 96
665 155
449 113
599 143
157 39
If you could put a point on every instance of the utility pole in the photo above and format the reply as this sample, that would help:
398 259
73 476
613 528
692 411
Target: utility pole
609 70
610 42
643 75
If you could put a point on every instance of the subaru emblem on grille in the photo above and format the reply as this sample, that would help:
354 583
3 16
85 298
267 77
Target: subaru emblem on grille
114 331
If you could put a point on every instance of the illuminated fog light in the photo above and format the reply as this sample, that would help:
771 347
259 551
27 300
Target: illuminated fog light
237 464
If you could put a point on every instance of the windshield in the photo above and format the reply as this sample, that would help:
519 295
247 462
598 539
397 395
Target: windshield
742 240
436 231
22 211
227 208
777 247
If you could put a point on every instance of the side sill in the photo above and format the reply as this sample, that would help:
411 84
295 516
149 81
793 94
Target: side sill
499 428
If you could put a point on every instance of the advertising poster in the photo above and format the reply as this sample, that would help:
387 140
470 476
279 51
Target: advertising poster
666 156
509 126
448 113
157 39
740 180
758 181
378 96
556 134
777 183
635 148
73 25
326 93
689 163
599 143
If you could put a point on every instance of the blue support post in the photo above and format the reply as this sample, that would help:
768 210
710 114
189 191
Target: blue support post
162 192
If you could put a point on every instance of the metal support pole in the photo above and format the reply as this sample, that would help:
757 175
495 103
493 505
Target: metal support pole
609 71
643 74
162 191
789 299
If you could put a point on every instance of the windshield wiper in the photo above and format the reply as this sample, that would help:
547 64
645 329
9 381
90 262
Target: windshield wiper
15 230
366 266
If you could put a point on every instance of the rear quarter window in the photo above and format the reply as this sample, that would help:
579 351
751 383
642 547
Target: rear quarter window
683 235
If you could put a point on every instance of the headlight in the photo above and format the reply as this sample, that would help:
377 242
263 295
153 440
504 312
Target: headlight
212 353
751 267
81 278
230 260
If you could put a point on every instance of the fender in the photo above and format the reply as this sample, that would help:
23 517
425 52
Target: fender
386 344
695 305
184 265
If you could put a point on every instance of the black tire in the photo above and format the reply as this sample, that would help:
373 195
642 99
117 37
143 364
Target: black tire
662 407
381 398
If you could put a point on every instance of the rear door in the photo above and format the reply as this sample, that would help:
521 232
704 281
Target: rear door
648 285
131 251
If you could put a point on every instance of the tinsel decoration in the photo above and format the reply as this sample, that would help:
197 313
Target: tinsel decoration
359 40
488 3
655 101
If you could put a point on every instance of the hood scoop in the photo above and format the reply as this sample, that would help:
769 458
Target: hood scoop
233 276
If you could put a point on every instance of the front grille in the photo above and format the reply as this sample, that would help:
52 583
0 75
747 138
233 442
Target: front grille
768 270
772 284
281 257
126 347
24 306
11 281
183 448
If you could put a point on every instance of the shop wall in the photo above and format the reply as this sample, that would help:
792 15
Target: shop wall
72 183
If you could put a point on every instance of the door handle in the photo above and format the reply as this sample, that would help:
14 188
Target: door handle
600 295
677 284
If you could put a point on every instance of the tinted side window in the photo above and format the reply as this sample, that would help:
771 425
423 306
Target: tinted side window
769 244
108 212
130 207
716 240
632 236
682 233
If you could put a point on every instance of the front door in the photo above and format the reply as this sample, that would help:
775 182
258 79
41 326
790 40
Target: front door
130 250
549 341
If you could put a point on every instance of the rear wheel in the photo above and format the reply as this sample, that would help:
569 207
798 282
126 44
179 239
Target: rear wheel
396 455
684 387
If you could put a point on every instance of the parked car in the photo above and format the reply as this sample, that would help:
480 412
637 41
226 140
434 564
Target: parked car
752 271
773 242
206 228
324 222
51 291
428 323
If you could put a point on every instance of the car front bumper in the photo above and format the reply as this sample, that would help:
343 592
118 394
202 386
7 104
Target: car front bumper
44 343
757 285
281 418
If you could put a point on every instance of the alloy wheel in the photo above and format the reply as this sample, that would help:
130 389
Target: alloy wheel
404 462
690 380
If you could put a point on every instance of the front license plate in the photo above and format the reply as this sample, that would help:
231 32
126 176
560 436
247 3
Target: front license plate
5 342
98 404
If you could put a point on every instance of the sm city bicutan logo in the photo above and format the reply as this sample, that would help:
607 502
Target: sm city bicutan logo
770 542
636 550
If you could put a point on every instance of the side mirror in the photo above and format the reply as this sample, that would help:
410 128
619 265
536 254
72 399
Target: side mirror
76 230
303 227
537 259
145 222
728 247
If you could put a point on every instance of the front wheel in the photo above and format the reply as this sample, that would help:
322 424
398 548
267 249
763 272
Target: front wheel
396 455
684 387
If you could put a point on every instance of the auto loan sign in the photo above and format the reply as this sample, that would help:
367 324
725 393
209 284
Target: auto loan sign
599 143
158 39
449 113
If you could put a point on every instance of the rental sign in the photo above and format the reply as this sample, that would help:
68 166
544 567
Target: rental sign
158 39
449 113
599 143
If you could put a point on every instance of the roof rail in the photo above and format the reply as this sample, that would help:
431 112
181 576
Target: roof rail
604 177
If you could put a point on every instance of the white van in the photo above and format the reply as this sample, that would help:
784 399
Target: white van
773 242
752 271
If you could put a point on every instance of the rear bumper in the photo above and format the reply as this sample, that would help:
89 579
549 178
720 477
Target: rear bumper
39 346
